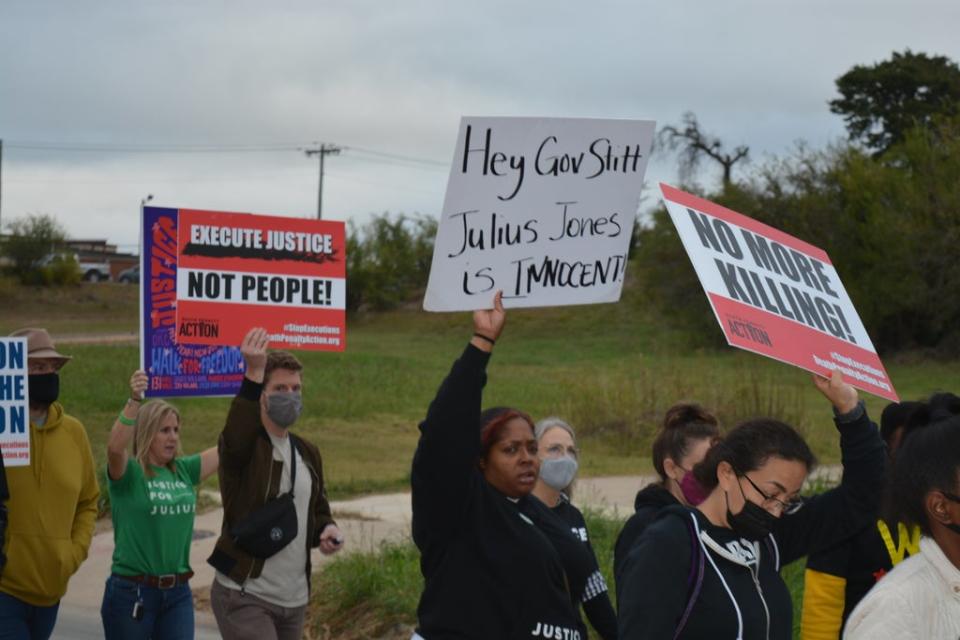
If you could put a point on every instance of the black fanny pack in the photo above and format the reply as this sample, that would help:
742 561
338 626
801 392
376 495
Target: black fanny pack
273 526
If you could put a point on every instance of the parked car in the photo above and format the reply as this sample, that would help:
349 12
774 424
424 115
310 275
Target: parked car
130 276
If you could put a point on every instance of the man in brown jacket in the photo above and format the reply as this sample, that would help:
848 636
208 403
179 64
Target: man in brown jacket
256 597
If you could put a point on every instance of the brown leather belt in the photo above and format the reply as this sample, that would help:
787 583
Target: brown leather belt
168 581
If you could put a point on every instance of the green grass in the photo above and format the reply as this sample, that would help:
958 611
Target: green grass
375 594
611 369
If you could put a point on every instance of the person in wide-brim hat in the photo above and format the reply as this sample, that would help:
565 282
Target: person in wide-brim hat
53 500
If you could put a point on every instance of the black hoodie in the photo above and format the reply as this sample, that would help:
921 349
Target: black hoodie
489 567
648 504
742 594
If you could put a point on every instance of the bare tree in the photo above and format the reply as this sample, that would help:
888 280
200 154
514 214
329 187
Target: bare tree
694 144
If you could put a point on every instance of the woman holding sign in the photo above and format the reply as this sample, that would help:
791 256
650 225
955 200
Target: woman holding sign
152 502
713 571
496 562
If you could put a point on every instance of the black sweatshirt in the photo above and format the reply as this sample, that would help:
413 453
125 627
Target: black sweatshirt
490 572
648 504
751 598
597 607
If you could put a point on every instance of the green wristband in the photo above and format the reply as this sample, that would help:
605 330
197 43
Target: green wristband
122 419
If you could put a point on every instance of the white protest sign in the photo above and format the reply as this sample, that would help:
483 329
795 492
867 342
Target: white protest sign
14 409
542 208
775 294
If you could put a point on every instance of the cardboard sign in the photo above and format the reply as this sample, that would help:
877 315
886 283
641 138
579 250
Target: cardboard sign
542 208
237 271
14 406
776 295
176 368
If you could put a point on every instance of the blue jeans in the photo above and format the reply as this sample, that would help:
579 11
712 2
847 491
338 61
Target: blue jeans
166 613
22 621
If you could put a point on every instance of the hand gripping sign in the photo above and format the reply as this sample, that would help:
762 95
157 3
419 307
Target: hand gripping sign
774 294
542 208
207 277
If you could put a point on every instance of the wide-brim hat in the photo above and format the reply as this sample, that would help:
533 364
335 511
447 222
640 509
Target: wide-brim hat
40 345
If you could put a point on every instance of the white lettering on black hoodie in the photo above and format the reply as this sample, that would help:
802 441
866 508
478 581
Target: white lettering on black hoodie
743 596
489 571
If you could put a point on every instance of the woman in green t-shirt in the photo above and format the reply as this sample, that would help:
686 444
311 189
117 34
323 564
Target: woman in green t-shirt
152 503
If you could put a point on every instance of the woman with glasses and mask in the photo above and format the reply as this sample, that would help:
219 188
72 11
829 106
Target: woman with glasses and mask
714 571
687 433
920 597
557 450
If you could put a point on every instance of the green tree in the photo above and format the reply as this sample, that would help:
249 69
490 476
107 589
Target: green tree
881 102
30 239
388 261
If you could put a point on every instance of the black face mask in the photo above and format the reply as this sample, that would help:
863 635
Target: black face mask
954 527
43 388
753 522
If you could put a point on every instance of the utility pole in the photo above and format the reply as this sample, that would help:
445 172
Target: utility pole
322 151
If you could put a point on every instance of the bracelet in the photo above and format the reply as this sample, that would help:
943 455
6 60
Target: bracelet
485 338
122 419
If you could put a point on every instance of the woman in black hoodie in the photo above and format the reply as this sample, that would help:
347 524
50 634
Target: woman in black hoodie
687 433
497 564
713 571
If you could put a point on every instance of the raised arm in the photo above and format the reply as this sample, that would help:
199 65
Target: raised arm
122 431
242 426
209 461
444 465
834 515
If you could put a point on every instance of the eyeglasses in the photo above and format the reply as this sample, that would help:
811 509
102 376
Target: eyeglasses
770 502
950 496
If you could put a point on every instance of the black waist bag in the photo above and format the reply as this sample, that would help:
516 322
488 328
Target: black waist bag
273 526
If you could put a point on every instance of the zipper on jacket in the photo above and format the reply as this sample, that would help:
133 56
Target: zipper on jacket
766 610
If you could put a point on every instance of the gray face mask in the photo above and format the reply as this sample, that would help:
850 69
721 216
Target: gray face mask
558 473
284 408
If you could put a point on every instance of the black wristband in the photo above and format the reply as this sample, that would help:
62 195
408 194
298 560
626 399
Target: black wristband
485 338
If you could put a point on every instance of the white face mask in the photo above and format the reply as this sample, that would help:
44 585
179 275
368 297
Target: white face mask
558 473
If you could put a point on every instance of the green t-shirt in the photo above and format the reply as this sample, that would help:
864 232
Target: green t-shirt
153 518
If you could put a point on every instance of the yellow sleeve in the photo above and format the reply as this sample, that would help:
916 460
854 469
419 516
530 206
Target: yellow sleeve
85 517
823 601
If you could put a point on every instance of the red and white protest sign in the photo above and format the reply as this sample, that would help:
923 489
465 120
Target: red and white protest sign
236 271
774 294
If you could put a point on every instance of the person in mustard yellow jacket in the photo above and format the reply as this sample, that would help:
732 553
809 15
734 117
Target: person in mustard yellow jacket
52 505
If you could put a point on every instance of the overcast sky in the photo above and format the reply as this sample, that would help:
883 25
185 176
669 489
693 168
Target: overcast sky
388 79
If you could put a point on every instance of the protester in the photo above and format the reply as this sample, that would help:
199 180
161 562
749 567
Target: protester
53 502
920 597
838 577
152 505
275 508
687 432
557 451
496 563
713 571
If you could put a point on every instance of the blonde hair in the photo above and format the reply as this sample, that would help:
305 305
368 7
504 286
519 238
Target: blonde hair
149 420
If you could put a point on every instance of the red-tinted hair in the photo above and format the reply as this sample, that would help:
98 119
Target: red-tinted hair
492 422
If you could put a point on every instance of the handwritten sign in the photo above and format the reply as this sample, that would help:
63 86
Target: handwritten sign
774 294
14 407
176 367
237 271
542 208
